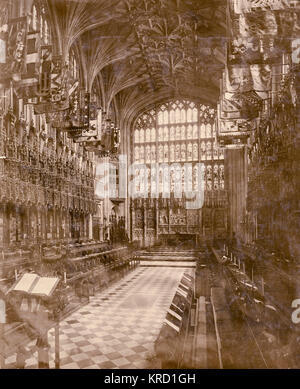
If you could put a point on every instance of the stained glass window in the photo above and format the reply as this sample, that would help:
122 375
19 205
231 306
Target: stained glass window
179 132
153 135
136 136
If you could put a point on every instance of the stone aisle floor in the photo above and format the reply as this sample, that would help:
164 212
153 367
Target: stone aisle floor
117 329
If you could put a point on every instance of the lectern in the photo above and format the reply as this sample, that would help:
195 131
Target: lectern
36 301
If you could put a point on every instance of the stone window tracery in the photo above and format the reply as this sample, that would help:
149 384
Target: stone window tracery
180 132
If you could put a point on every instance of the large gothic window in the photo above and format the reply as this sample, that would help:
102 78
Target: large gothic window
179 132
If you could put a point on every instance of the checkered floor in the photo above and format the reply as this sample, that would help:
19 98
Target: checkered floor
117 329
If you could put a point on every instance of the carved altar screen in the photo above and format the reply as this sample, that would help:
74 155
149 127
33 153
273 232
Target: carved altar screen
178 135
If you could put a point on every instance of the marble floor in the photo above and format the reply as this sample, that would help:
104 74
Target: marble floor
117 329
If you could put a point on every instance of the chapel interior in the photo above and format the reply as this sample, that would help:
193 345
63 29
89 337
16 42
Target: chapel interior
149 184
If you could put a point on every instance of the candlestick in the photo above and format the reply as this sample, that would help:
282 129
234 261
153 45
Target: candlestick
16 274
65 277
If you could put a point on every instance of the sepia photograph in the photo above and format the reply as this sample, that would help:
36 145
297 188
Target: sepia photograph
150 187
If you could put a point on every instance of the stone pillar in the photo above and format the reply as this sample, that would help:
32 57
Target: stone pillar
236 185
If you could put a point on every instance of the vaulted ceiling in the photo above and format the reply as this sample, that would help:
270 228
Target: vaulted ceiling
143 51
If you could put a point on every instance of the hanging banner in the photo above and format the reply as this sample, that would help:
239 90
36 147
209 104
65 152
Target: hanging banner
268 23
59 83
261 79
55 83
233 132
256 77
245 105
238 79
45 72
230 109
27 86
14 37
289 24
296 51
245 6
258 24
3 32
256 50
92 134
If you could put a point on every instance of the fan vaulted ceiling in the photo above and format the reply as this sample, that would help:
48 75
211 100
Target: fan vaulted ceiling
144 51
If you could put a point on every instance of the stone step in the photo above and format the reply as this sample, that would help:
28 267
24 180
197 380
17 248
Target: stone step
166 258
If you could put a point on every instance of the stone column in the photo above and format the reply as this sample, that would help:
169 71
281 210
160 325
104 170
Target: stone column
236 185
